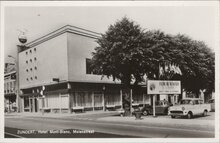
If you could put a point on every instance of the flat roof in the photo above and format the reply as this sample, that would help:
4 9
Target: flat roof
64 29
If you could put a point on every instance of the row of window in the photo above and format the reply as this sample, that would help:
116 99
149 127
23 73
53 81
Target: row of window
35 59
9 91
30 51
9 87
31 69
31 78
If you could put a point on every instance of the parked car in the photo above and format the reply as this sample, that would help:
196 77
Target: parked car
189 107
212 104
161 107
135 107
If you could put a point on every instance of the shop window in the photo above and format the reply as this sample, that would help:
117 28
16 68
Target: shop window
26 102
97 99
80 99
83 99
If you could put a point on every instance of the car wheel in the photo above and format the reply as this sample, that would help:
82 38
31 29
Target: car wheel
189 115
145 113
173 116
205 113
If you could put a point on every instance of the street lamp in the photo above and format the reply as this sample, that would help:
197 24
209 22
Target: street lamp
22 39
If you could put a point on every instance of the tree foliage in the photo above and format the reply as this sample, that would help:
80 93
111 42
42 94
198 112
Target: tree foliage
194 58
120 53
127 53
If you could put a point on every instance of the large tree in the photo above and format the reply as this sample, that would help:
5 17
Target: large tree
120 53
127 53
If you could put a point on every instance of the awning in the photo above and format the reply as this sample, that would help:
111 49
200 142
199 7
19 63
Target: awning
30 94
57 91
10 94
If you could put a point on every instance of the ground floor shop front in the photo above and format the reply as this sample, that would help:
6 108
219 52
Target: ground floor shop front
80 97
10 103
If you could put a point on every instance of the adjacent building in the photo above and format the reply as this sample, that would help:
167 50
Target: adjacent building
10 91
55 75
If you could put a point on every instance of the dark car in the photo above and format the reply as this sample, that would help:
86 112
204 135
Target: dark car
135 108
161 107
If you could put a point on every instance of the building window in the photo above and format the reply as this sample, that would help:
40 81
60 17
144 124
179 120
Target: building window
88 66
13 76
31 69
26 70
27 79
26 53
30 60
35 58
30 51
35 49
26 62
89 69
35 68
35 77
31 78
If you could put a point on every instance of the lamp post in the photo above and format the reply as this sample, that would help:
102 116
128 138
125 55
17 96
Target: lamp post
103 96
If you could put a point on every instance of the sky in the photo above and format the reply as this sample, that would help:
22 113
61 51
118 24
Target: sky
197 22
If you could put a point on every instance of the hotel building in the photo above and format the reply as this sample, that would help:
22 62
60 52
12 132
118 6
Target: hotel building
55 75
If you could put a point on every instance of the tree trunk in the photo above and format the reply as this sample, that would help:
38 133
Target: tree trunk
126 100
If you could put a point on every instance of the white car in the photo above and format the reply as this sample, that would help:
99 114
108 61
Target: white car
212 104
189 107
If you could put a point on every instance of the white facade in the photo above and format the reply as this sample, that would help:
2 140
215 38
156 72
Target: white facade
62 55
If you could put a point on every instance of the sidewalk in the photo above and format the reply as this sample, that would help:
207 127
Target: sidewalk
160 120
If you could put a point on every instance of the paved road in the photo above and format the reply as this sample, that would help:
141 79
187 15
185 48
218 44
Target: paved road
107 128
